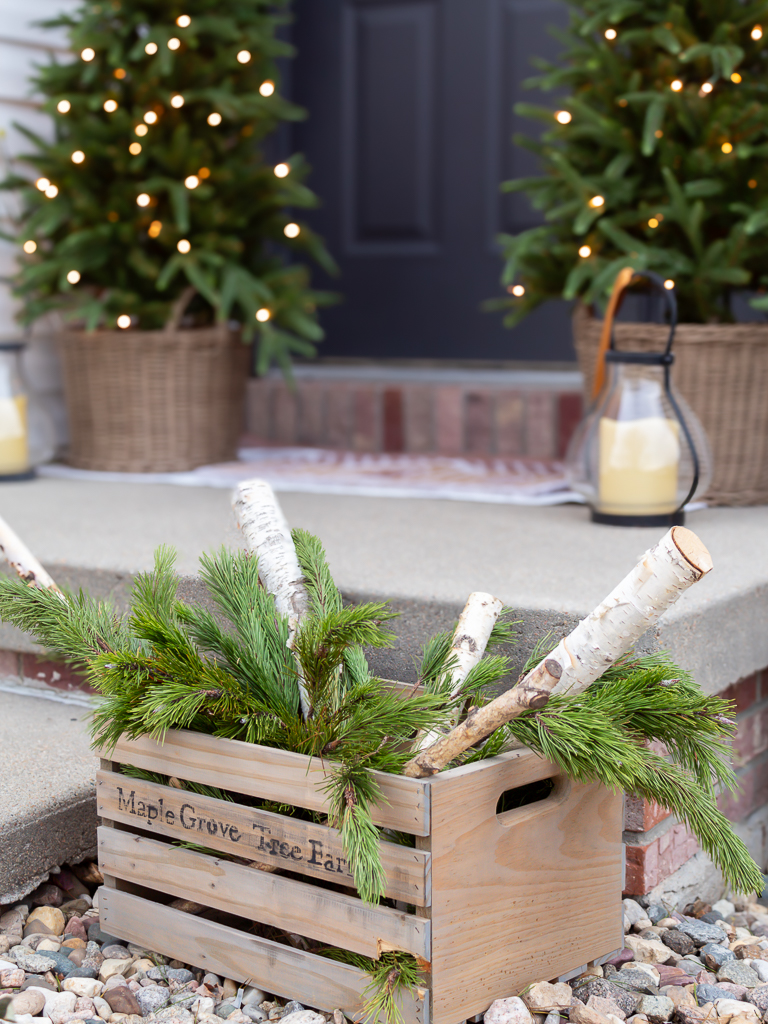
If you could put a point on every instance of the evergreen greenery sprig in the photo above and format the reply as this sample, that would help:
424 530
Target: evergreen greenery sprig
654 159
394 976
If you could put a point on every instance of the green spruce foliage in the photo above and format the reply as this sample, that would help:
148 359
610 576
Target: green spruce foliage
659 162
156 182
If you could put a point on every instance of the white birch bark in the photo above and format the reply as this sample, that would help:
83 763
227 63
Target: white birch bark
469 642
22 561
657 581
268 536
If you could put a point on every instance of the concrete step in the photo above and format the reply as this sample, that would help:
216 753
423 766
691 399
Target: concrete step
47 787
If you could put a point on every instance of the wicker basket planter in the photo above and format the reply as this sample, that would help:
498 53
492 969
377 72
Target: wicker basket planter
491 896
722 372
153 401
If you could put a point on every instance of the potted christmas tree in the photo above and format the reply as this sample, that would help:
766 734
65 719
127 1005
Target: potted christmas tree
655 160
156 226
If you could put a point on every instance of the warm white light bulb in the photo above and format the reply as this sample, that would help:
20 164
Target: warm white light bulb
653 223
669 284
29 246
262 315
676 86
214 119
124 321
150 48
727 147
585 251
52 191
141 129
42 184
183 21
78 156
73 276
736 77
150 117
597 201
757 32
707 87
267 88
192 181
518 291
282 170
143 199
244 56
174 43
563 117
183 245
155 228
291 230
88 53
110 106
63 106
177 101
135 148
610 33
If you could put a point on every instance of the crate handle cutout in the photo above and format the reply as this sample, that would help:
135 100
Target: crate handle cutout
535 803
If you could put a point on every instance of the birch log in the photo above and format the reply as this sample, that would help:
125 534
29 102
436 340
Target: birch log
22 561
636 604
268 536
469 642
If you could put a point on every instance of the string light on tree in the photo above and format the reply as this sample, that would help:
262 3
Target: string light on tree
174 43
676 86
653 223
585 251
124 321
669 284
752 183
597 201
135 148
29 246
706 88
214 119
192 181
291 230
143 199
736 77
610 33
563 117
88 54
151 49
183 21
757 32
204 173
150 117
110 106
262 315
282 170
78 156
52 191
155 228
141 129
73 276
119 73
244 56
183 245
42 184
63 106
267 88
177 101
727 147
518 290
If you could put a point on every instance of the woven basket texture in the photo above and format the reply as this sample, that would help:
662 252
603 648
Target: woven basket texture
153 401
722 372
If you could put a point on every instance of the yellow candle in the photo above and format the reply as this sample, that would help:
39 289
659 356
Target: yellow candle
14 449
638 466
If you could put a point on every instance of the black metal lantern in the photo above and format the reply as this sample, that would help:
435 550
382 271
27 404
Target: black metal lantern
640 454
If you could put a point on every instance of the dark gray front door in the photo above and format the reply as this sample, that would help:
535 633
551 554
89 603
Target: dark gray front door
409 135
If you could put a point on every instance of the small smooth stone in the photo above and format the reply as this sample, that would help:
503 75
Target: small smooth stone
709 993
760 967
715 956
759 998
73 943
229 988
292 1006
201 1005
76 929
639 980
679 996
83 972
657 1008
671 975
700 931
502 1011
49 916
642 924
175 1015
82 986
724 907
739 992
115 952
307 1017
36 981
224 1009
58 1004
258 1015
656 913
739 974
112 967
631 909
179 974
251 996
579 1014
13 978
608 1008
541 997
647 951
691 967
102 1007
732 1007
122 1000
95 934
678 941
31 1002
46 895
604 987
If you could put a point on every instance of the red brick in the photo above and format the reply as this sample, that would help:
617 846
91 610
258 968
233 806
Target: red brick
569 413
365 434
743 694
449 421
257 408
641 815
52 673
479 423
9 665
540 424
312 414
751 738
648 865
394 435
339 417
418 419
753 785
509 423
285 415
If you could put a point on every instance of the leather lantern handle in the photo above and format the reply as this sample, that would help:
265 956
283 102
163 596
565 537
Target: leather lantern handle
623 278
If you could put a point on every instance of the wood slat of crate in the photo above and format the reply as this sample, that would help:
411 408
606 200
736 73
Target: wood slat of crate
271 899
232 953
270 774
249 832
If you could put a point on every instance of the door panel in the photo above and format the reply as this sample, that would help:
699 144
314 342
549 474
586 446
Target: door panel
409 135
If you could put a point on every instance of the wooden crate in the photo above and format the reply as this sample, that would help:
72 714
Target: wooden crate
499 900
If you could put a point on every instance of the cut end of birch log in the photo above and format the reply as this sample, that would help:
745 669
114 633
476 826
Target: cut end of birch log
692 549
